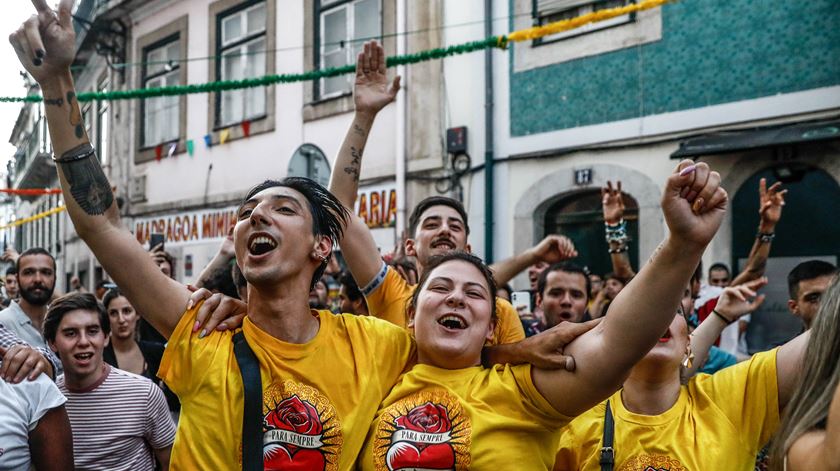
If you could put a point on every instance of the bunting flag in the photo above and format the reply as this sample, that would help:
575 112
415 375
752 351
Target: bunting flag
158 152
190 147
223 136
246 128
172 149
30 191
208 141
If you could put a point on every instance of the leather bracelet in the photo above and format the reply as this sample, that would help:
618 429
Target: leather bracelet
74 155
722 317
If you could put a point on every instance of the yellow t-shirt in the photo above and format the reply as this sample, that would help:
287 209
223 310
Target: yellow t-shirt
473 418
318 398
720 421
390 299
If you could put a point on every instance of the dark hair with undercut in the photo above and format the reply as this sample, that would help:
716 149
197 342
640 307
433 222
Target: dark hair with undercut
439 260
329 216
414 219
719 266
350 286
71 302
566 267
33 251
807 271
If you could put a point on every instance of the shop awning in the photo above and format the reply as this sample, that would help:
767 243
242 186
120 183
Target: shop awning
757 138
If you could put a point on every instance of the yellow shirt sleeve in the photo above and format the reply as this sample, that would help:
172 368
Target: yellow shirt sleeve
536 404
748 394
508 326
187 358
388 301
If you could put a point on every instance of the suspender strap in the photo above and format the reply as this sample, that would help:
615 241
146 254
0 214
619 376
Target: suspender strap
252 432
607 452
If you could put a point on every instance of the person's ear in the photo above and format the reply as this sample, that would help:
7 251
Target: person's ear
793 306
322 248
411 311
491 330
410 248
468 248
538 300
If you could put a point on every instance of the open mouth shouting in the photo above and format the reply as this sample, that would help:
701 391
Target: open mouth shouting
261 243
443 243
453 322
665 337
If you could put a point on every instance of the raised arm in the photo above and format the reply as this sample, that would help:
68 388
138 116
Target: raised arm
693 204
371 93
771 201
733 303
45 45
612 204
552 249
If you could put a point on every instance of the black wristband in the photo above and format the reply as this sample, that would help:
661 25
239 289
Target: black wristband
75 154
722 317
765 237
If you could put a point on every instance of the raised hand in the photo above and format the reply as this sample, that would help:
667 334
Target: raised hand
553 249
372 92
771 200
46 43
612 202
694 204
736 301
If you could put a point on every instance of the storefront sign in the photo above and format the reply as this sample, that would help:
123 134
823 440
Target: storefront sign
187 227
378 206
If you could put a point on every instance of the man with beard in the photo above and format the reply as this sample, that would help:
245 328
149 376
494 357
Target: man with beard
36 282
563 293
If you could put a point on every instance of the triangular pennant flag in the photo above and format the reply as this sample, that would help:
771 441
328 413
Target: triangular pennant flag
158 152
172 149
224 135
246 128
208 141
190 147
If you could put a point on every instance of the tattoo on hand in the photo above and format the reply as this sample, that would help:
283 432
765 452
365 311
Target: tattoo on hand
54 101
75 115
88 184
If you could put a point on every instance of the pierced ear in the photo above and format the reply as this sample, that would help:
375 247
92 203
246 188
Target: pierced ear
322 248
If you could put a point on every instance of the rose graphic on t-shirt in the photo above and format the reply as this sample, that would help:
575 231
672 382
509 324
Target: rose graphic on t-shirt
421 440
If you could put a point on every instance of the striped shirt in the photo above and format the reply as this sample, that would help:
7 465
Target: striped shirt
118 422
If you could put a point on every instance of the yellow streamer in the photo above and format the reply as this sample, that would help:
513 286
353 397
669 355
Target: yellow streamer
577 22
34 217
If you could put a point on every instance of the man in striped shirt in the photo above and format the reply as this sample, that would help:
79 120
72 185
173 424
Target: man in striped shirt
120 420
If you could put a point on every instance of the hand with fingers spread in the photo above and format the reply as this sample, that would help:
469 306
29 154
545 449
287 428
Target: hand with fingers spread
771 201
372 91
737 301
46 42
694 204
22 361
217 312
612 203
553 249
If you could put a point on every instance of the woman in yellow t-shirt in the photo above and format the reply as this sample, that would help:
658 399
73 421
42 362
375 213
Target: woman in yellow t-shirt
717 421
809 437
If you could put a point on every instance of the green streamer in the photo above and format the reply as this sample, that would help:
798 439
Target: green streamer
225 85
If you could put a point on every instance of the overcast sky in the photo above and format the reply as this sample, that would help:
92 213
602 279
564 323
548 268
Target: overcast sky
14 13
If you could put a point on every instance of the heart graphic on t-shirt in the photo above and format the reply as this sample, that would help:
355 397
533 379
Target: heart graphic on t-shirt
279 457
404 455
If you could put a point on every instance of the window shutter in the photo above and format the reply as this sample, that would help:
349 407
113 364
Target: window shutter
552 6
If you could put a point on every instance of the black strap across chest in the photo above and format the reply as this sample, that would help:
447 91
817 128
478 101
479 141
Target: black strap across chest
252 431
607 452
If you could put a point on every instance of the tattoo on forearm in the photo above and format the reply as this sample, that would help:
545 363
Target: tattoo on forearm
88 184
353 172
355 164
358 130
75 115
54 101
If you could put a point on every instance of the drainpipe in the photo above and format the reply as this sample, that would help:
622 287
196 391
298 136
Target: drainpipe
400 123
489 173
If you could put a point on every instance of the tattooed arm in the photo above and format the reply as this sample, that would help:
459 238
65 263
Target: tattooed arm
371 93
45 45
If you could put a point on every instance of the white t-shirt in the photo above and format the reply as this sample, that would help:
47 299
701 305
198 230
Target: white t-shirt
21 407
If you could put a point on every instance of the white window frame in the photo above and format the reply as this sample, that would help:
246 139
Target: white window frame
349 42
545 17
159 79
240 44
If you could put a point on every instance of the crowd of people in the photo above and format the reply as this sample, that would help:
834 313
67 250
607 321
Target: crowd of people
287 355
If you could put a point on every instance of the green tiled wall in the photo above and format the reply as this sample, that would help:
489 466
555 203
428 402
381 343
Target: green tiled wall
711 52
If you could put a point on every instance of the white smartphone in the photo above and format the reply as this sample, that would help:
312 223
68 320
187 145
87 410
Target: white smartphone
521 299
